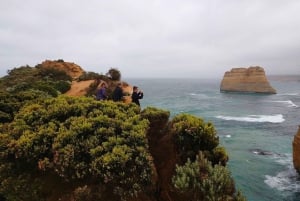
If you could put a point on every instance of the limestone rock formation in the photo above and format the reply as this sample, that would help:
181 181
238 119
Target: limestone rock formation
249 80
296 151
71 69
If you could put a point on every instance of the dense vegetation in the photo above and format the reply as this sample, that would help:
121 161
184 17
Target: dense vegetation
27 83
56 147
78 141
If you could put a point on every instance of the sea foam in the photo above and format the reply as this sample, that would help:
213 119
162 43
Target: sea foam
277 118
289 103
289 94
286 180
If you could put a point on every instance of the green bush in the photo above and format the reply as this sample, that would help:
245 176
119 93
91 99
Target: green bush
192 135
45 87
219 155
53 74
114 74
155 115
75 140
12 102
200 180
92 76
62 86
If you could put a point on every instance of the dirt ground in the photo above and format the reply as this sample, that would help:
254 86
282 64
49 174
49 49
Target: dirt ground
79 88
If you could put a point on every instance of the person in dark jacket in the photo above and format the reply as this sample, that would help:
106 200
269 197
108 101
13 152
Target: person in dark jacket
118 93
136 95
101 93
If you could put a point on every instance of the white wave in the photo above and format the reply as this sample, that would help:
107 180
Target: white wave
201 96
277 118
226 136
287 180
289 103
192 94
289 94
284 159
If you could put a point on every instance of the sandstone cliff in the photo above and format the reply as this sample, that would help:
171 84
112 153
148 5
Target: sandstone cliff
252 80
71 69
296 151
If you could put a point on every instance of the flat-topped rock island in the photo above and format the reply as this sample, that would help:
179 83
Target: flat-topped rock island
246 80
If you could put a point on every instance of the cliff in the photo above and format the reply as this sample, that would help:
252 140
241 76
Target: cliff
296 151
249 80
76 148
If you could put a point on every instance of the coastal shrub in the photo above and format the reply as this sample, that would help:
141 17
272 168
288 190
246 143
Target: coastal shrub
155 115
192 135
12 102
5 117
26 77
200 180
219 155
18 76
114 74
92 76
45 87
53 74
62 86
75 140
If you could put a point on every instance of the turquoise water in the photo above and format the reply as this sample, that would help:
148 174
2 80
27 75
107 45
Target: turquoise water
257 130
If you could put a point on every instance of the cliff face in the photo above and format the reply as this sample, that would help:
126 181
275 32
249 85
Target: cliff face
296 151
252 79
71 69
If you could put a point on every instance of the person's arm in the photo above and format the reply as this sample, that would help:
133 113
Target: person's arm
141 95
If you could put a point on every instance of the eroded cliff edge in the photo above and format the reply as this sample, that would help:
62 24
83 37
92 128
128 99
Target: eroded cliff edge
249 80
296 151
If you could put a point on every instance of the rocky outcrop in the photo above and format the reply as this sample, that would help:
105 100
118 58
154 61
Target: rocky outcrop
249 80
296 151
71 69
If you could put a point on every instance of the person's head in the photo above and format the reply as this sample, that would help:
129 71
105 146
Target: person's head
119 84
135 88
103 84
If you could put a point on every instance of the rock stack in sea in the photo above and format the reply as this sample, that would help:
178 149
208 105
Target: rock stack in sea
249 80
296 151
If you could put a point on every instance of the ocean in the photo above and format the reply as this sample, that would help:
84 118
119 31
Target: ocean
256 130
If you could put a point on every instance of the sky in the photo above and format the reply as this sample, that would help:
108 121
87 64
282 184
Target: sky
153 38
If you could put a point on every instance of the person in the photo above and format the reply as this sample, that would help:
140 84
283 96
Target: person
118 93
101 93
136 95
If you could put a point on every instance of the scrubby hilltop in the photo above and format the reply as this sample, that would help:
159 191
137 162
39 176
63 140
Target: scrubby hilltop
58 147
70 68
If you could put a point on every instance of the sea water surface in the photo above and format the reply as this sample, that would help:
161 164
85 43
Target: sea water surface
256 130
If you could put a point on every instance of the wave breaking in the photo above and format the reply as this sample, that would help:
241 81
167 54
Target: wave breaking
289 103
286 180
277 118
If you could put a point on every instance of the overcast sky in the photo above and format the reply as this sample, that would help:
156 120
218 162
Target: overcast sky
153 38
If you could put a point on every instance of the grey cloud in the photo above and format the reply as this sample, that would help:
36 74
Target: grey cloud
153 38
